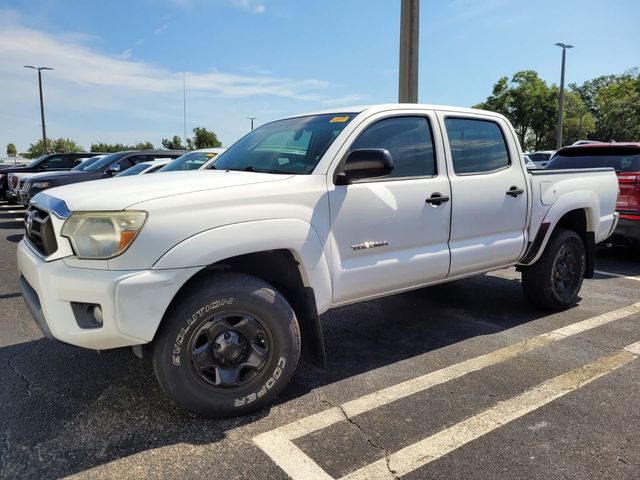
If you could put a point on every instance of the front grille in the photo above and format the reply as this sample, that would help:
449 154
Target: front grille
26 186
39 231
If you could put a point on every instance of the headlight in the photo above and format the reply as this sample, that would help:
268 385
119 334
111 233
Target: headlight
40 185
102 235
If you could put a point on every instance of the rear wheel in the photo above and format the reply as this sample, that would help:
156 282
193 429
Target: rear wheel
228 348
554 281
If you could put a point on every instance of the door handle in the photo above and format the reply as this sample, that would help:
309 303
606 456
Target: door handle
515 191
437 198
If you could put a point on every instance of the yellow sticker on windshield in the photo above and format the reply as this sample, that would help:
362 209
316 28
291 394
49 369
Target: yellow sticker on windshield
211 155
339 119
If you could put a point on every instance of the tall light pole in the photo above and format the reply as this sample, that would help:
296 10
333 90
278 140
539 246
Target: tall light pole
252 119
409 43
184 107
564 47
44 128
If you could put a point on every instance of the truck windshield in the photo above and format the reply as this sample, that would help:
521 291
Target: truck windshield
103 162
86 163
291 146
37 161
620 163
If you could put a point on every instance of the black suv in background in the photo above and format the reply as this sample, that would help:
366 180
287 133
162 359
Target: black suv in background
106 167
51 162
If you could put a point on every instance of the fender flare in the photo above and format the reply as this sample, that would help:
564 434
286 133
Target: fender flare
585 200
217 244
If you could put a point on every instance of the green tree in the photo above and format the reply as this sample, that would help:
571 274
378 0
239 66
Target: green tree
618 107
528 102
174 144
11 150
203 138
59 145
612 100
119 147
144 146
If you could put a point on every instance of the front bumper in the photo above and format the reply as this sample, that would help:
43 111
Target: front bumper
12 195
133 302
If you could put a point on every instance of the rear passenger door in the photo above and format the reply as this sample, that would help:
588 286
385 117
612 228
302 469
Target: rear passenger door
489 191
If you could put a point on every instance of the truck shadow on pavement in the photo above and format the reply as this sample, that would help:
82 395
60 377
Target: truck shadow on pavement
64 410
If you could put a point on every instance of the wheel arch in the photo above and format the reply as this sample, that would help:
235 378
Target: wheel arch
579 212
293 262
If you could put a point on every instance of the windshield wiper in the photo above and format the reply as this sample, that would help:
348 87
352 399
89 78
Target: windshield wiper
251 168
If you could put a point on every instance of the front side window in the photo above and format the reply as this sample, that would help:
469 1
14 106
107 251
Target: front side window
477 146
293 145
409 141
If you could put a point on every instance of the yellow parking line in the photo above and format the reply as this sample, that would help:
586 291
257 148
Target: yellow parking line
293 461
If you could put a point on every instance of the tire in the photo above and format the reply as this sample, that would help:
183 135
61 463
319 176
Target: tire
228 348
554 281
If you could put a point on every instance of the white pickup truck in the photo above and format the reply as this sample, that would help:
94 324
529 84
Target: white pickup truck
220 275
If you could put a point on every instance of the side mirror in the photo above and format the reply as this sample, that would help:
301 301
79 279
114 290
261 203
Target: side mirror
113 169
365 163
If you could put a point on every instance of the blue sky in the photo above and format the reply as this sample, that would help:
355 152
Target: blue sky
118 64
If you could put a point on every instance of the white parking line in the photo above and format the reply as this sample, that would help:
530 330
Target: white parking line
277 443
431 448
611 274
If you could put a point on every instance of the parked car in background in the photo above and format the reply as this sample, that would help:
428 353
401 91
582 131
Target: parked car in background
541 157
222 274
33 180
196 160
107 166
52 162
624 158
145 167
586 142
528 162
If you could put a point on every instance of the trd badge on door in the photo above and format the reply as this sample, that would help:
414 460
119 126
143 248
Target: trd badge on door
362 246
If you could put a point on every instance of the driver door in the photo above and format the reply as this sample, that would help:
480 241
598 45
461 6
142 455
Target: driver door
386 237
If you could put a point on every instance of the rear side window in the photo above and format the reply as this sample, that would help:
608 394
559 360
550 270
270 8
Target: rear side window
620 163
409 141
477 146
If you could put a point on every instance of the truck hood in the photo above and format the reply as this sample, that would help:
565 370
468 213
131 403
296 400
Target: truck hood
123 192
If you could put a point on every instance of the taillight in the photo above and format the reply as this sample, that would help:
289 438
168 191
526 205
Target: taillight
628 178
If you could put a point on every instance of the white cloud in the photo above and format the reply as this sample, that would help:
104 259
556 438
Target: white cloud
161 28
91 93
253 6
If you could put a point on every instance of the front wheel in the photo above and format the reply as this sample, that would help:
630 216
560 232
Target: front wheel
228 348
554 281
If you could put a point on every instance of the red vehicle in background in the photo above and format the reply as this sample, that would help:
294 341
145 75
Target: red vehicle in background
624 158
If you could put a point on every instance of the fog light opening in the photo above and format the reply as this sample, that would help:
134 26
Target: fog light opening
88 315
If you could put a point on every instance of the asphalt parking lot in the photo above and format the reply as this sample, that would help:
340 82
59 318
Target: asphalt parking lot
464 380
